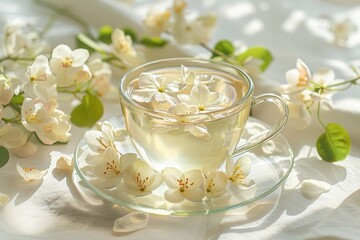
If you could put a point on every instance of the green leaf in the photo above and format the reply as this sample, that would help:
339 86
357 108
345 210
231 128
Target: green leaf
130 33
153 41
224 46
4 156
105 34
17 99
333 145
88 112
260 53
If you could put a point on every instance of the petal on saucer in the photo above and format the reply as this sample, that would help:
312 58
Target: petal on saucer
132 222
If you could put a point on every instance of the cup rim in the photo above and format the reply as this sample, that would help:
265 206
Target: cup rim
141 109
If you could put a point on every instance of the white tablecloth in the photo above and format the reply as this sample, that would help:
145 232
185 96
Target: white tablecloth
54 209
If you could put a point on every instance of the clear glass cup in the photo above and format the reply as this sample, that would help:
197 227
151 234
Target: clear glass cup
161 138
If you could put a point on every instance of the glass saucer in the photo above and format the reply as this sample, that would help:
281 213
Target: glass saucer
271 165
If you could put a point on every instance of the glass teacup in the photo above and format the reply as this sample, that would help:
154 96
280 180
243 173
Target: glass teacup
196 122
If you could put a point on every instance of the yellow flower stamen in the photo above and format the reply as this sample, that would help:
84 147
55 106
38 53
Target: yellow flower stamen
141 183
67 62
237 174
184 185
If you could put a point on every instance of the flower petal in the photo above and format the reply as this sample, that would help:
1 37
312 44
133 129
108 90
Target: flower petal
245 163
79 57
143 95
65 162
30 174
132 222
199 131
171 176
195 177
173 196
195 195
91 138
312 189
25 150
61 51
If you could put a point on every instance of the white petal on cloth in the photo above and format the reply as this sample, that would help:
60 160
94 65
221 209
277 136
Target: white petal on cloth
25 150
312 189
65 162
132 222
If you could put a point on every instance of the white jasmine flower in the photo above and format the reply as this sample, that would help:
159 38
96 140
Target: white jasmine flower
324 78
184 109
157 22
183 185
141 179
201 97
30 174
65 162
6 90
12 137
112 167
297 95
50 124
68 65
4 199
190 78
298 79
238 172
342 31
156 87
197 31
103 138
101 76
41 82
21 40
215 183
123 49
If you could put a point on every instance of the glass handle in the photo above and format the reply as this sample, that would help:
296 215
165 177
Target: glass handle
270 133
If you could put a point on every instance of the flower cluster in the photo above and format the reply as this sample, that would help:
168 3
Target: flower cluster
113 169
304 90
185 30
188 94
29 99
182 29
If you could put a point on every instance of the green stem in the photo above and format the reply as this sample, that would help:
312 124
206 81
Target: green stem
15 120
351 81
90 43
214 51
16 59
318 115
